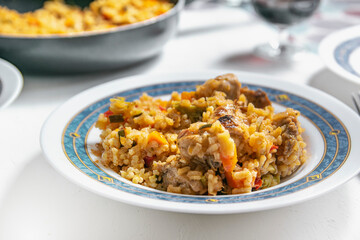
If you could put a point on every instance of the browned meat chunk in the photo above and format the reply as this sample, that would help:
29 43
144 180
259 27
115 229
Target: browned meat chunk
227 83
170 176
184 133
193 148
258 97
228 121
290 133
226 115
224 110
191 145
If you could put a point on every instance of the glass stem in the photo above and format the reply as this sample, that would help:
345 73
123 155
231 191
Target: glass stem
282 39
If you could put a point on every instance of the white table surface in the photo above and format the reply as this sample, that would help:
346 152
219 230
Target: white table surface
38 203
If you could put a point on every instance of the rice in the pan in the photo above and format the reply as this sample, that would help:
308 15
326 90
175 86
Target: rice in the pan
56 17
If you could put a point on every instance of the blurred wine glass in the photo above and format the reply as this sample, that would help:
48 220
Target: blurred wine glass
282 14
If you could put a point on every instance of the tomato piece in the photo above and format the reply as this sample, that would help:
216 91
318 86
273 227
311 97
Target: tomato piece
257 183
274 147
108 113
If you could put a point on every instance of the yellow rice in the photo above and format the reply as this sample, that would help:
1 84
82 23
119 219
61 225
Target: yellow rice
56 17
228 147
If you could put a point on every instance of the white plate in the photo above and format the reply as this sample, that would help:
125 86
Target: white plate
341 53
331 128
11 83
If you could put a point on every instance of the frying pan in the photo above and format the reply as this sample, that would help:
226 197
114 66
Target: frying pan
88 51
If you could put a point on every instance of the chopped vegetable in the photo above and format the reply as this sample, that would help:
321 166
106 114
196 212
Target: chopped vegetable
158 179
257 183
116 118
273 147
233 183
121 133
187 95
137 115
205 126
149 160
194 113
267 180
272 168
162 108
203 180
228 154
157 137
276 178
229 162
108 113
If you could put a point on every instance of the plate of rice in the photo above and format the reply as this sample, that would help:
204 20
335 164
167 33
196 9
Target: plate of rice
210 142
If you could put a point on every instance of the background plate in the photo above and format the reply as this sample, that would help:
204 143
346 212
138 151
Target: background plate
341 53
11 83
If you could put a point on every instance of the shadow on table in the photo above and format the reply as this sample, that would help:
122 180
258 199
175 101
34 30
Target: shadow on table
209 29
138 66
49 88
247 61
41 204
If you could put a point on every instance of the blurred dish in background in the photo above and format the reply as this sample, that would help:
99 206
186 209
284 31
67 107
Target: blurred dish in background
11 83
57 17
92 51
341 53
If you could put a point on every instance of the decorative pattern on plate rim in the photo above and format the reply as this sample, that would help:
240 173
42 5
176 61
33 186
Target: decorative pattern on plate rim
342 54
333 131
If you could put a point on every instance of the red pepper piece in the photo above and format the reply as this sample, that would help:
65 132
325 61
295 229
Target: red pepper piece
258 183
274 147
108 113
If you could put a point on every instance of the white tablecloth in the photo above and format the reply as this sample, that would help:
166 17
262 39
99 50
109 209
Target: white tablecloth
38 203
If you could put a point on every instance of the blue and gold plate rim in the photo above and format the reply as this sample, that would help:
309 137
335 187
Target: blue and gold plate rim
342 54
337 52
65 134
335 135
